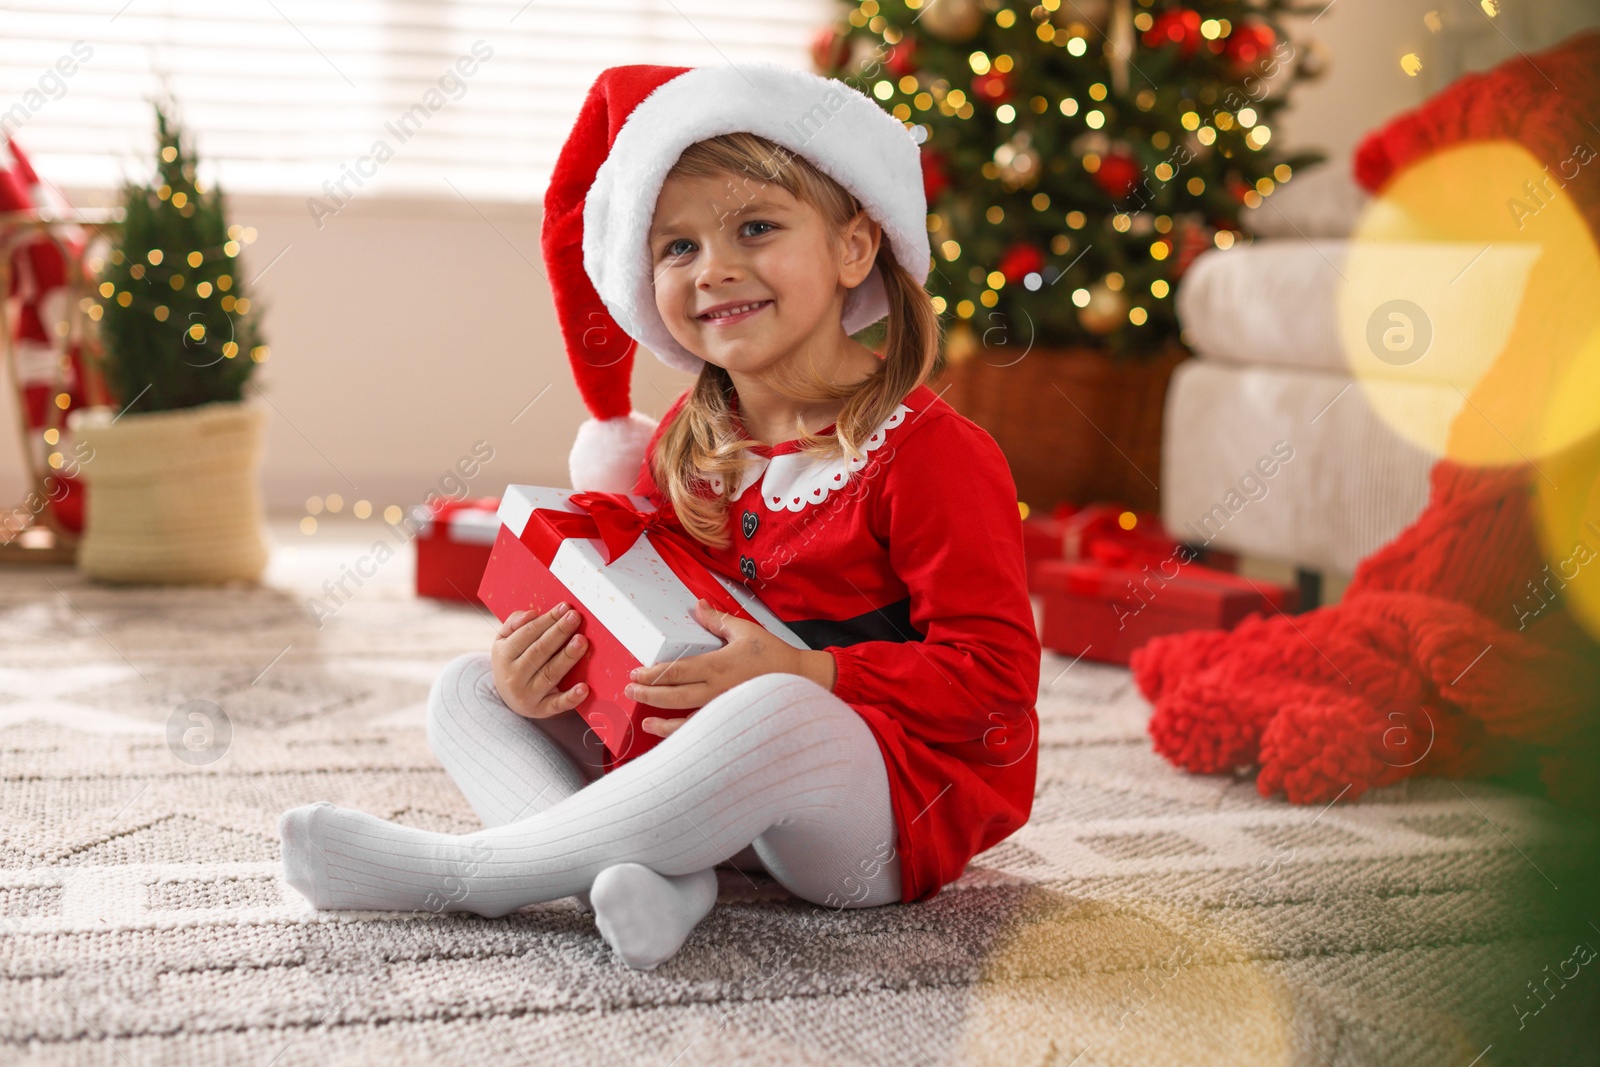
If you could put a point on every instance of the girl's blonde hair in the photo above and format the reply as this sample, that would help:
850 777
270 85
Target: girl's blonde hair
702 442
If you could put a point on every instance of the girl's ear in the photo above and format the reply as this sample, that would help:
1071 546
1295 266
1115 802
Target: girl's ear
861 237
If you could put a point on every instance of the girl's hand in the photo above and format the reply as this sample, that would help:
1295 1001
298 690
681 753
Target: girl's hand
531 653
751 651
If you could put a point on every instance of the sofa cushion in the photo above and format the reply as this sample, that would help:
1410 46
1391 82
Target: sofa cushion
1334 305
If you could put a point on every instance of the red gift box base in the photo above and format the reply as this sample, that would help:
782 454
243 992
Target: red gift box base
1090 610
520 582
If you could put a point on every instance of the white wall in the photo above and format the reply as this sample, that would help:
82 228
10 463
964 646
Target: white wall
404 330
401 333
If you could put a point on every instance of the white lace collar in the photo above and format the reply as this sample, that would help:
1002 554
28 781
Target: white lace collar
794 481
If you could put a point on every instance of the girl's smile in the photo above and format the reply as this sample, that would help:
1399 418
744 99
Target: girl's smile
730 313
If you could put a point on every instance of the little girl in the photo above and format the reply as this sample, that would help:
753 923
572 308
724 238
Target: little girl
743 222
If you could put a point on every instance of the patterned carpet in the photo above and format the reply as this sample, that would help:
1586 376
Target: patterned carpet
1143 916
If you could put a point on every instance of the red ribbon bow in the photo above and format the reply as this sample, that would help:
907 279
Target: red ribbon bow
612 519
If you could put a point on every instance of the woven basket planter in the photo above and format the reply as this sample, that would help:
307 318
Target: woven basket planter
1075 424
173 496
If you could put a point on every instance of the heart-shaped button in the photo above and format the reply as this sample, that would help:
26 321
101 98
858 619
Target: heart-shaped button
748 522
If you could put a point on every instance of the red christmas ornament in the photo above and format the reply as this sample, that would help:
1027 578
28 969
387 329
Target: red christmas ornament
830 50
1020 260
994 87
1192 240
934 179
1247 44
1179 26
902 58
1118 175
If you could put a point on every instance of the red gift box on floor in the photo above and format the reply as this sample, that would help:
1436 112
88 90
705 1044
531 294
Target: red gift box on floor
633 577
1103 612
1108 533
453 542
1043 537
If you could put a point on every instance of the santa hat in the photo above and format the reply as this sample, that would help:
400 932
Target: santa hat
633 126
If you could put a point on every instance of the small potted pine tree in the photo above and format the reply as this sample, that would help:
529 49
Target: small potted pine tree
173 493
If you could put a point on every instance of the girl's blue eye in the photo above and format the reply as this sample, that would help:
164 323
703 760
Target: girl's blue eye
669 249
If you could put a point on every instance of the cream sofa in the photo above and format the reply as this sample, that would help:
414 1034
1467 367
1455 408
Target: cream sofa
1297 435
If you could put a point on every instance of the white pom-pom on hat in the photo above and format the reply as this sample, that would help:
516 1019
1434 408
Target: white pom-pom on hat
608 453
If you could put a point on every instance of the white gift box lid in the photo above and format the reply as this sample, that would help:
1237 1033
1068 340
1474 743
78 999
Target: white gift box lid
637 597
472 526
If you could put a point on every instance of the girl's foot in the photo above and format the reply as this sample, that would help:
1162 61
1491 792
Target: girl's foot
645 916
342 859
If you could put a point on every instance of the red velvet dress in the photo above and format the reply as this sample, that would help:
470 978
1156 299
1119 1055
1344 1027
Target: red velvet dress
908 568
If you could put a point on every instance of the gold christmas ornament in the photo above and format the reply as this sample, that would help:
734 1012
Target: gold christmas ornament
952 20
959 344
864 55
1018 161
1093 12
1105 311
1314 63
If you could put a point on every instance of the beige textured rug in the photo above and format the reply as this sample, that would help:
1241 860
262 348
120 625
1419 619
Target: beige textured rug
1143 916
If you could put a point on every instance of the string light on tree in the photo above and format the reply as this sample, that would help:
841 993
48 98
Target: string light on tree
169 303
1069 141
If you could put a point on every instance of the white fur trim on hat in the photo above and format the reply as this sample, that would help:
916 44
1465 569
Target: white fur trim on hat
840 130
608 454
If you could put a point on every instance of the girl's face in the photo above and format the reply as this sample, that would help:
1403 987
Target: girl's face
713 247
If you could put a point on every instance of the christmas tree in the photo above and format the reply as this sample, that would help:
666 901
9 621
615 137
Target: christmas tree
180 329
1079 153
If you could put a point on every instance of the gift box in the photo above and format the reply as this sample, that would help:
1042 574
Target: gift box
1112 533
1044 537
453 541
633 575
1103 612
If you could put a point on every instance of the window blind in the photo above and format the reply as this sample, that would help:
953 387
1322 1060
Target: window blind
286 96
